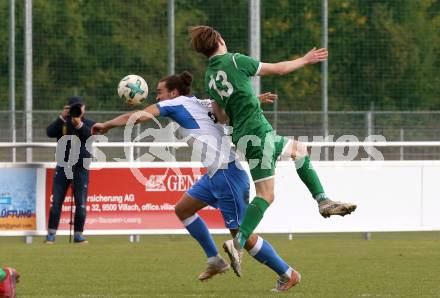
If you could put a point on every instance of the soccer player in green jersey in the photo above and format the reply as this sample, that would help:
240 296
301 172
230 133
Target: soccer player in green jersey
227 80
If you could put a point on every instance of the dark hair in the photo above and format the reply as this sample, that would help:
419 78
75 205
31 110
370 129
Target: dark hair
181 82
204 39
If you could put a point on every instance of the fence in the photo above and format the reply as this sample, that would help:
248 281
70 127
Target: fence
394 126
383 56
382 53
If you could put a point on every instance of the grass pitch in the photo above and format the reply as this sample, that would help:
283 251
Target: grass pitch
332 265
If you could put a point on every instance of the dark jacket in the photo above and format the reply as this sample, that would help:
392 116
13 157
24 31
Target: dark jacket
59 128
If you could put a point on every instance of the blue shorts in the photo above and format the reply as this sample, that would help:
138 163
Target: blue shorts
227 190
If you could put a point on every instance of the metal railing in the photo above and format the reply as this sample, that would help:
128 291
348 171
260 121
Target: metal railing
395 126
129 147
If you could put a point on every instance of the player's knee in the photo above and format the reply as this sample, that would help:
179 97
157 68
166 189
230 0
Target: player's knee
268 196
178 210
182 212
299 150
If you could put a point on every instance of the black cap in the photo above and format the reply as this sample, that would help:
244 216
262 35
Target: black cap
75 100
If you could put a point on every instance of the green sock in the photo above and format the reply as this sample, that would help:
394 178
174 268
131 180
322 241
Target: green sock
308 175
2 274
252 217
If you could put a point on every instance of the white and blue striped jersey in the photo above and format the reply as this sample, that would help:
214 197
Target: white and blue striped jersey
208 139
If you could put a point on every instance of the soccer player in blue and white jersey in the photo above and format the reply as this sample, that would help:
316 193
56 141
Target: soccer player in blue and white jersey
225 186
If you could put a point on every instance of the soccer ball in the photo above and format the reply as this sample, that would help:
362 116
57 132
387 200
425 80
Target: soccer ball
133 89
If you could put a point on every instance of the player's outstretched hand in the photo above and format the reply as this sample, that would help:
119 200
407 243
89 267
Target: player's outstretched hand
315 56
99 128
267 97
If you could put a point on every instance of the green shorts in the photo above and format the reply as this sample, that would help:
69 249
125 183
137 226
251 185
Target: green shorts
262 155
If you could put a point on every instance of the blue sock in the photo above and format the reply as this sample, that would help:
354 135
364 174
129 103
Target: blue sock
198 229
266 254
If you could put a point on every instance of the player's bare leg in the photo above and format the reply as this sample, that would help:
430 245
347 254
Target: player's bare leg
263 252
235 252
308 175
252 217
186 210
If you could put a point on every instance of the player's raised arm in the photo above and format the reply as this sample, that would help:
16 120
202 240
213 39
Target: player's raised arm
281 68
136 116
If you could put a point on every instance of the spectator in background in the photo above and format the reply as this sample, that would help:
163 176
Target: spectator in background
71 121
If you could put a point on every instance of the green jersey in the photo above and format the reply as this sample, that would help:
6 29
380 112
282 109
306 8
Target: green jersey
228 82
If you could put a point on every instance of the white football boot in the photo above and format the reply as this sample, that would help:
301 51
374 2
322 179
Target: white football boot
328 208
235 253
218 266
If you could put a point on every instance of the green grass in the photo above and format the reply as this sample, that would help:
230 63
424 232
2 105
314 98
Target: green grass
332 265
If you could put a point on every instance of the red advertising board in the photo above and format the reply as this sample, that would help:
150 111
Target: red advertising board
118 201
